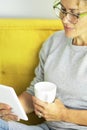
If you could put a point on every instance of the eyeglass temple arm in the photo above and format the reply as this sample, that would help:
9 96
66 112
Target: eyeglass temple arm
56 4
83 14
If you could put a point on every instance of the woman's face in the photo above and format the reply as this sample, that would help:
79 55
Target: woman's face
75 29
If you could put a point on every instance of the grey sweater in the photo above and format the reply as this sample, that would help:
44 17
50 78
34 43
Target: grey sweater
65 65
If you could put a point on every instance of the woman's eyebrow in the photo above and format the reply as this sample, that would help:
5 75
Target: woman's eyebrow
72 9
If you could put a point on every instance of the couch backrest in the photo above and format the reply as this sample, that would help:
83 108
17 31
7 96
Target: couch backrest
20 41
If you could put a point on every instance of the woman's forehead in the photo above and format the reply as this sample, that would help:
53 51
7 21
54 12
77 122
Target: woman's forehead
76 4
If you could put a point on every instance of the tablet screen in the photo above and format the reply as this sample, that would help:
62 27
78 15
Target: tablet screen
8 96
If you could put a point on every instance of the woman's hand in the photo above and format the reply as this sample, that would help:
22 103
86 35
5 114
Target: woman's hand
50 111
6 113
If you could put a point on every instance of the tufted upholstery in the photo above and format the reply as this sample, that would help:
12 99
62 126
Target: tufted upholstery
20 41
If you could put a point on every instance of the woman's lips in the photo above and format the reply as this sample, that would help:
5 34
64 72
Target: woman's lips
68 28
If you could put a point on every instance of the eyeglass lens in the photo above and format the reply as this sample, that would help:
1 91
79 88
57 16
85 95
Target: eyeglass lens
61 13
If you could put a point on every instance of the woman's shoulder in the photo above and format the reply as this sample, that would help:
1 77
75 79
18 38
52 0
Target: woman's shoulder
59 34
54 41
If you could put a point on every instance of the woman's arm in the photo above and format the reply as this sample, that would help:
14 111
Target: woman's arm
26 101
76 116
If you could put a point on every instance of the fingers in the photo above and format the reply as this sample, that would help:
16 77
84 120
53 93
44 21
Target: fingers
38 107
44 109
6 113
4 109
38 102
10 117
4 106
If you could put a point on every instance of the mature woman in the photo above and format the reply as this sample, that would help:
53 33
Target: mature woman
63 61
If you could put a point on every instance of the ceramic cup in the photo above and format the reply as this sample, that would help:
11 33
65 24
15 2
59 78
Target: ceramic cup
45 91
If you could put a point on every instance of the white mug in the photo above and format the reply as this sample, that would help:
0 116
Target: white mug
45 91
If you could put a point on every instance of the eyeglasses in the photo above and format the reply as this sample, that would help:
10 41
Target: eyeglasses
61 13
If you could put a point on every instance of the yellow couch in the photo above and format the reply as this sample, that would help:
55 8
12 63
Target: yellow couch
20 41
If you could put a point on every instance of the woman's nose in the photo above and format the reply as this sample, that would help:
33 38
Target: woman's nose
65 19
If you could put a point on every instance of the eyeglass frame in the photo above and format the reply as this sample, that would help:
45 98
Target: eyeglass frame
80 15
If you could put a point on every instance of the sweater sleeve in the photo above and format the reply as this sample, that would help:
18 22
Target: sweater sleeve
47 48
39 71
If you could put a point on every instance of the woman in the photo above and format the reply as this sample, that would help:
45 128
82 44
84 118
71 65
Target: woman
63 61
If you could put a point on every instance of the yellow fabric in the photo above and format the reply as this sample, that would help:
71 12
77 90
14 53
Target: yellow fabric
20 41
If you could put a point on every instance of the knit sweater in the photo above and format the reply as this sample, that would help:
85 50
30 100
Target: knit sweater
65 65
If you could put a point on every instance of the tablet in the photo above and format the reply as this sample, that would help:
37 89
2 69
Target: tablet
8 96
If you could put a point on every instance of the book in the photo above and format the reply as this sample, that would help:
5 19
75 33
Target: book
9 96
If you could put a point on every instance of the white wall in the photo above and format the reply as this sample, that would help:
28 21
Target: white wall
27 8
